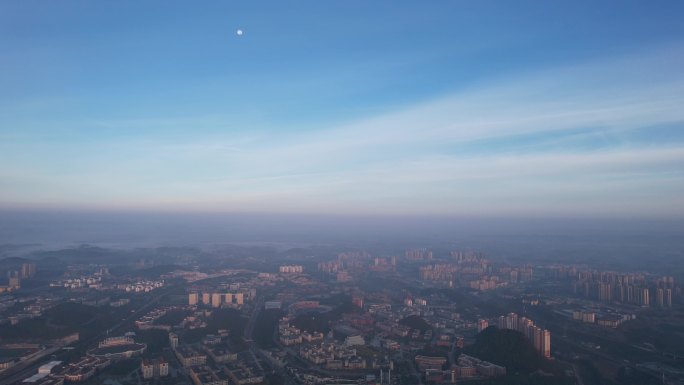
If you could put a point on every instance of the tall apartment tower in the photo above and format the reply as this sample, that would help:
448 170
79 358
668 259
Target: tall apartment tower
482 324
216 300
14 280
28 270
645 297
537 340
546 343
667 298
173 340
193 299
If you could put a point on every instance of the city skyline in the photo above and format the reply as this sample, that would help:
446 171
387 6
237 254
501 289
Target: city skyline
355 108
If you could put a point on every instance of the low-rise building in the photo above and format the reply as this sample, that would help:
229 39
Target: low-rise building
154 368
427 362
484 368
190 357
7 363
354 340
205 375
221 354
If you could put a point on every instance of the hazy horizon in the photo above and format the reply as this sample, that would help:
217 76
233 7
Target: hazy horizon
647 244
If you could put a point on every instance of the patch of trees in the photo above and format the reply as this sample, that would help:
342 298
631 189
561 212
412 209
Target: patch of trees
264 327
416 322
507 348
313 322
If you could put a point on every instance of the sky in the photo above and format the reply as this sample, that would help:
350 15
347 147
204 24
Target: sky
474 108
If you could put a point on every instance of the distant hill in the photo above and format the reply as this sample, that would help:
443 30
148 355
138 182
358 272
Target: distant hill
9 264
84 254
51 260
13 261
11 249
156 271
507 348
297 252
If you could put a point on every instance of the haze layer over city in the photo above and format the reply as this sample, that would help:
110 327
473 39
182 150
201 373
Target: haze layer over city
341 192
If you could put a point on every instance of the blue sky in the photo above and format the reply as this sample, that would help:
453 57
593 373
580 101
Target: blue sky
367 107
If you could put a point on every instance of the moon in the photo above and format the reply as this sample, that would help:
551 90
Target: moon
239 32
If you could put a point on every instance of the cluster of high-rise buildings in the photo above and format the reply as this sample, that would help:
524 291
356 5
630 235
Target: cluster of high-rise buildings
440 272
635 289
475 272
290 269
540 338
383 264
27 270
217 299
224 295
330 267
456 273
418 254
349 264
353 261
14 277
516 274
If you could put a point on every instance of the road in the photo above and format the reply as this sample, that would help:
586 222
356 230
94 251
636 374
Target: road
286 376
249 329
577 375
19 371
415 372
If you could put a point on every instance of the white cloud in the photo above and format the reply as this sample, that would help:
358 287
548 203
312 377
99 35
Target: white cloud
400 162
